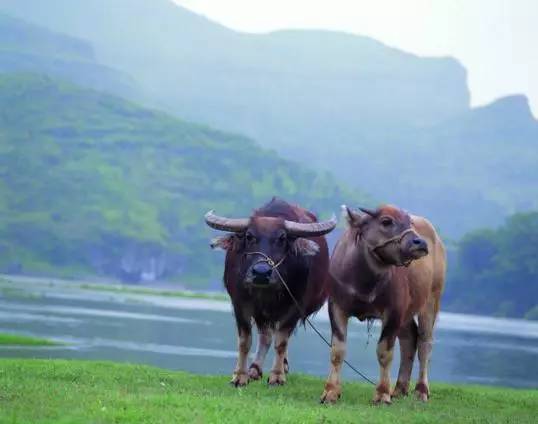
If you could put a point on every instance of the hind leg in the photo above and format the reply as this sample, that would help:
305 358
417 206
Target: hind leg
265 337
385 349
426 321
408 348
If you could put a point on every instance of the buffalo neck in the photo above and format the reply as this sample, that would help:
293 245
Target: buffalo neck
370 274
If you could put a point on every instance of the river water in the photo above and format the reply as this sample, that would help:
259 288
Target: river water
198 335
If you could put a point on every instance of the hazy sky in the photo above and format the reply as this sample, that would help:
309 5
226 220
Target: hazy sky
496 40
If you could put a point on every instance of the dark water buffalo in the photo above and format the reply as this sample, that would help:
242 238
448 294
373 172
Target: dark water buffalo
292 238
387 265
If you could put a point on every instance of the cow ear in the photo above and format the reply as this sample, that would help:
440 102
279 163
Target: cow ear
305 247
353 218
225 242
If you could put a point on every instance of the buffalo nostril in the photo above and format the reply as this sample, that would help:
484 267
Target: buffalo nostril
419 244
261 270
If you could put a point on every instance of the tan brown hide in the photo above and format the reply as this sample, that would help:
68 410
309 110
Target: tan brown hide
391 266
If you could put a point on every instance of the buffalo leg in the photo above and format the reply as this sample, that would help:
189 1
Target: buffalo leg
385 350
426 321
265 336
278 373
339 322
244 341
408 348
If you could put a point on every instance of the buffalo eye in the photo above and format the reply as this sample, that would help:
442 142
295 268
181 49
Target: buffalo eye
386 222
249 237
282 238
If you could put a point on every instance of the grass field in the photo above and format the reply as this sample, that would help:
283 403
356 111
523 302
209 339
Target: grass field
18 340
59 391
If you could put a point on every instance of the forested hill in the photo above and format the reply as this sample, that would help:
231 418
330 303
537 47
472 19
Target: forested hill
25 47
394 123
495 272
92 184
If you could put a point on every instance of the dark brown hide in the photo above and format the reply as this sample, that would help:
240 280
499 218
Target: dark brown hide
303 263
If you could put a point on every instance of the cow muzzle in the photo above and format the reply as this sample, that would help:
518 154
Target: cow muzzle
263 272
417 247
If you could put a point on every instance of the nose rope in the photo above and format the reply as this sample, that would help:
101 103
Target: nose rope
274 266
397 238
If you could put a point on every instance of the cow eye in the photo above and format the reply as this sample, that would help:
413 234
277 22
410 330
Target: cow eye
282 238
386 222
250 237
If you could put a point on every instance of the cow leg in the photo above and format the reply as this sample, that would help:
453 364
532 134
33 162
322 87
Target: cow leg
385 350
265 336
278 373
426 321
339 322
408 348
244 341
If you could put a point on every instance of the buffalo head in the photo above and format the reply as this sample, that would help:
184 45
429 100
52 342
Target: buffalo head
388 234
262 243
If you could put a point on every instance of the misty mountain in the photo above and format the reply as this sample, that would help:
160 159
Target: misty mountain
394 124
92 184
26 47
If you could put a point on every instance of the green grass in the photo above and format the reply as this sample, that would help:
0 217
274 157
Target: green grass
59 391
18 340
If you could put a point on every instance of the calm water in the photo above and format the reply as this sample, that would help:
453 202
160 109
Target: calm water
199 336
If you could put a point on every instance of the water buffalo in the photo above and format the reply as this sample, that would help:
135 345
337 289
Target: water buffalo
387 265
277 239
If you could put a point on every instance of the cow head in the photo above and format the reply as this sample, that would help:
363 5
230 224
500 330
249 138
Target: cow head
388 234
264 243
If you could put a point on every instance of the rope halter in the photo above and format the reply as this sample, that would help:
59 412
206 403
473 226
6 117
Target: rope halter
396 239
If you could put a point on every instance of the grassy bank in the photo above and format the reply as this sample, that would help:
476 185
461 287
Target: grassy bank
18 340
116 288
58 391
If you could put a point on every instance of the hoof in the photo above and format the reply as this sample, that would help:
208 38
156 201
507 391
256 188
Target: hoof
381 398
239 379
255 372
400 390
422 392
276 379
331 394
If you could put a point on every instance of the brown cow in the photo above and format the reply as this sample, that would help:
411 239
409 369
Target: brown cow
387 265
277 239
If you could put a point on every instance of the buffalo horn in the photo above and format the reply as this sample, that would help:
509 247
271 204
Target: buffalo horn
311 229
226 224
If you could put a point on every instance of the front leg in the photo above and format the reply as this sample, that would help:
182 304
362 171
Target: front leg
385 350
339 322
265 336
278 373
244 329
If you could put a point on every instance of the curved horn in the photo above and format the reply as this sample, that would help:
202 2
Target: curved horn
311 229
225 224
371 212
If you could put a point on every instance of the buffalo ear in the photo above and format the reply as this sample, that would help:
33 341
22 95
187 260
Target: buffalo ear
305 247
352 217
225 242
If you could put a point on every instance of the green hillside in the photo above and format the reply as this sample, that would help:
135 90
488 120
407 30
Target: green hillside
394 123
94 184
